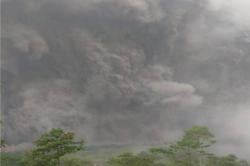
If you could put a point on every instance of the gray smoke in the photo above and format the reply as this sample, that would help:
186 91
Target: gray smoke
126 71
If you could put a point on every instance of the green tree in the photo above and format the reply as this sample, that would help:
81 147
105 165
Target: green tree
10 159
190 150
197 137
231 160
50 147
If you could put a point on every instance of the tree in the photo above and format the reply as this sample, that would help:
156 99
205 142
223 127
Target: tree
231 160
50 147
197 137
10 159
190 150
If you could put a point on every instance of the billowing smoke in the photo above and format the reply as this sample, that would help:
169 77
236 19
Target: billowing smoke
125 71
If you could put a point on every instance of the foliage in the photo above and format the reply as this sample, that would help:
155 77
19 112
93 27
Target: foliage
191 151
198 137
130 159
76 162
10 159
50 147
231 160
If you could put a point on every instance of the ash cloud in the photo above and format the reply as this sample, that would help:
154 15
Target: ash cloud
26 40
108 69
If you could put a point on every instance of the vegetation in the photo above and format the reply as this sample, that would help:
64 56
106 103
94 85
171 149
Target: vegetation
50 147
129 159
53 149
189 151
76 162
11 159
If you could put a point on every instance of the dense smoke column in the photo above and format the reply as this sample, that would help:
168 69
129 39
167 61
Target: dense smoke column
108 69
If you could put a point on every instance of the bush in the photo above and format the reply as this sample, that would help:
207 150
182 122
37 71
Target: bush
76 162
11 159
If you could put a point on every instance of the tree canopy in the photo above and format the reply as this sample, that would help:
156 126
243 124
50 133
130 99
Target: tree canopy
192 149
50 147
